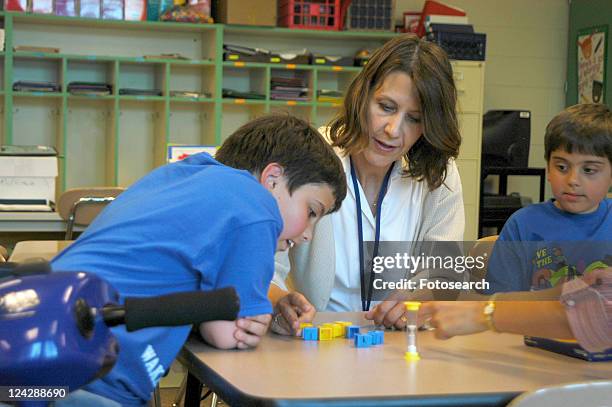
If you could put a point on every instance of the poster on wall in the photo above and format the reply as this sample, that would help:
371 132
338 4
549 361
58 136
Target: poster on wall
592 64
178 152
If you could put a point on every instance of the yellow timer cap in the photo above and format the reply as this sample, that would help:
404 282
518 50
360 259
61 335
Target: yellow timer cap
412 305
412 356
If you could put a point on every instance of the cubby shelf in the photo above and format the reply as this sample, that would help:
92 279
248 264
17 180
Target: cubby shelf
115 139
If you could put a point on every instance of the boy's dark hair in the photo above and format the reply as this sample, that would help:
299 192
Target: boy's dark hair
585 128
291 142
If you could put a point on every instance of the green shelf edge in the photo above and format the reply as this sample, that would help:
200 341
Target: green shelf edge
48 95
141 98
111 58
191 100
232 101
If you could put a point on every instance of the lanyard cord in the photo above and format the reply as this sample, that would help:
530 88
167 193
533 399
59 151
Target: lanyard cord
366 300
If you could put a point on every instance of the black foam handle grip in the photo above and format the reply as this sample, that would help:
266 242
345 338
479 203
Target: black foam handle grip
185 308
30 267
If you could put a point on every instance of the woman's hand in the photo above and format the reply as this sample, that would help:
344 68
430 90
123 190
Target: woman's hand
388 313
392 311
451 318
290 311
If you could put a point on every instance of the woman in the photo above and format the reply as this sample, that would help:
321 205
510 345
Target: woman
397 135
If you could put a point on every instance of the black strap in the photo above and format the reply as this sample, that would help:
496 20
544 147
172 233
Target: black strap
366 298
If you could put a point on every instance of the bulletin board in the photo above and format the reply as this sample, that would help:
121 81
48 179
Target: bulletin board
591 59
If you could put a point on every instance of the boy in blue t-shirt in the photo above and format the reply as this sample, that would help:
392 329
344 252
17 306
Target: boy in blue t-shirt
545 244
202 224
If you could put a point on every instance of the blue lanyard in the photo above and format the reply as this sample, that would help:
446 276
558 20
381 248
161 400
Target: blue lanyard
365 301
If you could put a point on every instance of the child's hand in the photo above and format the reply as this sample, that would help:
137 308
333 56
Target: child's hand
250 330
219 334
451 318
290 312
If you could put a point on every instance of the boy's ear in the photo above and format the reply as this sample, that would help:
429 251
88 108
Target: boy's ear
270 175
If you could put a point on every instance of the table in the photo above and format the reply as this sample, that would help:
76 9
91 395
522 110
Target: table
482 369
19 226
32 222
45 249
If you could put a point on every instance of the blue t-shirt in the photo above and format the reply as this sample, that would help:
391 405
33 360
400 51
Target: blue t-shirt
191 225
541 246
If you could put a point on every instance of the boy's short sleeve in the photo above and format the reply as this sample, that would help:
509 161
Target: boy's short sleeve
243 259
507 269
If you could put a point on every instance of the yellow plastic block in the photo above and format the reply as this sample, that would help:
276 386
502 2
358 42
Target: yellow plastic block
325 333
338 330
334 327
305 324
345 325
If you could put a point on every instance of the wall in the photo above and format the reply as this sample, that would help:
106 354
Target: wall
525 63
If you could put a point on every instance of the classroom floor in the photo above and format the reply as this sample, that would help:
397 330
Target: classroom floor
168 396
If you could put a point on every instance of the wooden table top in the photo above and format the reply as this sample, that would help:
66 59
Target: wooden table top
41 249
488 366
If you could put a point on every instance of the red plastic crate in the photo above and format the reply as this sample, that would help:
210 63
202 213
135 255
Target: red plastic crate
310 14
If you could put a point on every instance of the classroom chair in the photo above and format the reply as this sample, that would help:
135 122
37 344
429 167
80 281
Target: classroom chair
79 206
483 246
593 393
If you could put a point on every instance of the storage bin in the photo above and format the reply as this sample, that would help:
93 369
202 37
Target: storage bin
310 14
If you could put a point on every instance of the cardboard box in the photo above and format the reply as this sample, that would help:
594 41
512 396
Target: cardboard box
257 12
27 177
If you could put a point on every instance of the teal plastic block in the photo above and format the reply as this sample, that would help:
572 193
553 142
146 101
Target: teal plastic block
351 331
310 333
363 340
378 337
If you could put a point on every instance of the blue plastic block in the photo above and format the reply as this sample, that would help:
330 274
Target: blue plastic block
351 331
378 337
310 333
363 340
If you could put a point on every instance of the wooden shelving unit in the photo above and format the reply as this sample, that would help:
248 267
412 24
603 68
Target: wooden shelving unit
116 139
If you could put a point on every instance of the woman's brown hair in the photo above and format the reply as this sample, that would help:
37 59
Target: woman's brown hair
431 72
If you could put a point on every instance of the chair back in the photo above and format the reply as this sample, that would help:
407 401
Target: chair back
482 247
584 394
79 206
